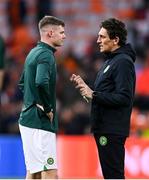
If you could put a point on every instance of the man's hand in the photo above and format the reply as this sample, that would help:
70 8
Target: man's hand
50 116
85 91
76 79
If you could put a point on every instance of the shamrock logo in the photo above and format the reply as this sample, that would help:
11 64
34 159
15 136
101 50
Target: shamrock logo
103 140
50 161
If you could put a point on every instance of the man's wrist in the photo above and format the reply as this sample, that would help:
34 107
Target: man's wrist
48 109
51 110
92 94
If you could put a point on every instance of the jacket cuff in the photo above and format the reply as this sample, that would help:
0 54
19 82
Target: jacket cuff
48 109
94 95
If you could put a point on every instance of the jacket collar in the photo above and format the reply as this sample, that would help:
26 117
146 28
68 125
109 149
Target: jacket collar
43 44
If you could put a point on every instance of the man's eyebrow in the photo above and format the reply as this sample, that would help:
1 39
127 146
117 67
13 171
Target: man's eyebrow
101 35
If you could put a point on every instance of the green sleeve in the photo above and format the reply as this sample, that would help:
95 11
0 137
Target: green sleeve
21 82
43 72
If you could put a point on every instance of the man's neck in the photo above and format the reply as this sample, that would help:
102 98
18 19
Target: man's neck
47 42
115 48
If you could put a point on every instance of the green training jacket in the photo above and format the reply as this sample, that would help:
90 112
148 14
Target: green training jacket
37 83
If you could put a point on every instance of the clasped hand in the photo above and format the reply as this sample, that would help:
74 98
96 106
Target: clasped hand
50 116
82 86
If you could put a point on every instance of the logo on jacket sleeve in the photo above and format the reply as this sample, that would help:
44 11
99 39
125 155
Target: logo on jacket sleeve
106 69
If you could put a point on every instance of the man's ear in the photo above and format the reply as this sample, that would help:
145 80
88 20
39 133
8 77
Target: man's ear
116 40
49 33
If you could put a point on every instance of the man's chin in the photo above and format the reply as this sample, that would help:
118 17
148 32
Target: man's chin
101 50
59 45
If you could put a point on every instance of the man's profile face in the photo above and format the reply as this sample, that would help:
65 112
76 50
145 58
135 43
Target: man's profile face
105 43
58 36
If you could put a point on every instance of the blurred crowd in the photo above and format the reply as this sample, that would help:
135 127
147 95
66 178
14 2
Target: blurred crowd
19 20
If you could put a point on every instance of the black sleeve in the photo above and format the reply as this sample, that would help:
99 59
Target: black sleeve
123 77
2 53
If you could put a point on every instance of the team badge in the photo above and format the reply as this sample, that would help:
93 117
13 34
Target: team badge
103 140
106 69
50 161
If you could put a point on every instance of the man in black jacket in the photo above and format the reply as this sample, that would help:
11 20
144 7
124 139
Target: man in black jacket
112 97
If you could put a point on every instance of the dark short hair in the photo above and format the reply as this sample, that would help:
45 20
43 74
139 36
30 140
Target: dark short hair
115 28
50 20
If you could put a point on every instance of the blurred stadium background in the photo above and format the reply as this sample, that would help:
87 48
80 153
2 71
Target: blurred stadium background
77 154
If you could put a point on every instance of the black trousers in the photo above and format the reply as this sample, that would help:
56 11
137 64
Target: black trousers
111 155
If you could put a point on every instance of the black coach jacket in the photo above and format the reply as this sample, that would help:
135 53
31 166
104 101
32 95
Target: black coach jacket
113 95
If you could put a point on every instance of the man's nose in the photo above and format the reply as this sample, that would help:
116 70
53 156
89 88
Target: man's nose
98 40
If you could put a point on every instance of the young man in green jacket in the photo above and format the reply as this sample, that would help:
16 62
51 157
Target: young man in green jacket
38 120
